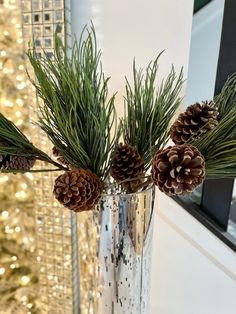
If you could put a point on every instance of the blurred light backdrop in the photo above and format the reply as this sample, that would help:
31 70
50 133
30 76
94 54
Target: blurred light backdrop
40 261
18 270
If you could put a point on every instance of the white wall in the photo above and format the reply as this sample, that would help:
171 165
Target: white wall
193 271
140 28
204 51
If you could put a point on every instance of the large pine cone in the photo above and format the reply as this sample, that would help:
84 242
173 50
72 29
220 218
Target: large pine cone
195 121
78 189
178 169
127 164
15 162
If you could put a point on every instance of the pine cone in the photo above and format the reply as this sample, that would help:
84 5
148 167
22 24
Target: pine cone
56 153
127 164
195 121
2 159
178 169
15 162
78 189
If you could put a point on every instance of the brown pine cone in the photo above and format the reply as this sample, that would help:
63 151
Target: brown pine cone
178 169
195 121
56 153
78 189
127 164
15 162
2 160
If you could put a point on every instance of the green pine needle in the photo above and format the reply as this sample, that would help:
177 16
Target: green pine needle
149 109
14 142
225 100
218 146
77 115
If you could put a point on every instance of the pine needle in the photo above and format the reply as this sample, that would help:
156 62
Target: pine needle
218 146
149 109
225 100
77 115
14 142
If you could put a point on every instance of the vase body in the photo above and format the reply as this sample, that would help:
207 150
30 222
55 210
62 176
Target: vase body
124 252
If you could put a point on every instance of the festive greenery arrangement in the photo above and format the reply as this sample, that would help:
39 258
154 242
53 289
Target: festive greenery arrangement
96 152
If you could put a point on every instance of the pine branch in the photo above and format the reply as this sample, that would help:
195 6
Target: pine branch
225 100
218 146
14 142
77 115
149 109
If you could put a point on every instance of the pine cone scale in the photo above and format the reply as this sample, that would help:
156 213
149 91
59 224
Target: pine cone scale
163 166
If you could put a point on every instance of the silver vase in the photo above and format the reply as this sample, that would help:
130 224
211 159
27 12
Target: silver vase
125 246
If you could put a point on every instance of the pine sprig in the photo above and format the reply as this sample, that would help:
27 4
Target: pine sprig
77 115
218 147
225 100
149 109
14 142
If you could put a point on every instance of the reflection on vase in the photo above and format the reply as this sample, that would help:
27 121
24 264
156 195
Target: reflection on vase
126 227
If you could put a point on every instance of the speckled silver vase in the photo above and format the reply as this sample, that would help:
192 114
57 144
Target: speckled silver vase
125 247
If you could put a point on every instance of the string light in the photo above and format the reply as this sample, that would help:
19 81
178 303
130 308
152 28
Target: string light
25 280
5 214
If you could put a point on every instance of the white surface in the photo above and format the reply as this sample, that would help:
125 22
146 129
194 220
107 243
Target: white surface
193 271
140 28
204 51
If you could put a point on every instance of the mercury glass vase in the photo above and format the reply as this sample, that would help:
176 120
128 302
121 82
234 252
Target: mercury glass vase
125 247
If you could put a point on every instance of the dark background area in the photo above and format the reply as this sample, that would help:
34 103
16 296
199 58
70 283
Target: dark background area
198 4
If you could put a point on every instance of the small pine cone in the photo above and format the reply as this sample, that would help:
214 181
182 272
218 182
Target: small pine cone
2 160
195 121
56 153
78 189
127 164
15 162
178 169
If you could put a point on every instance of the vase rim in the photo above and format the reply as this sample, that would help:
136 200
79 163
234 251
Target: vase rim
151 187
